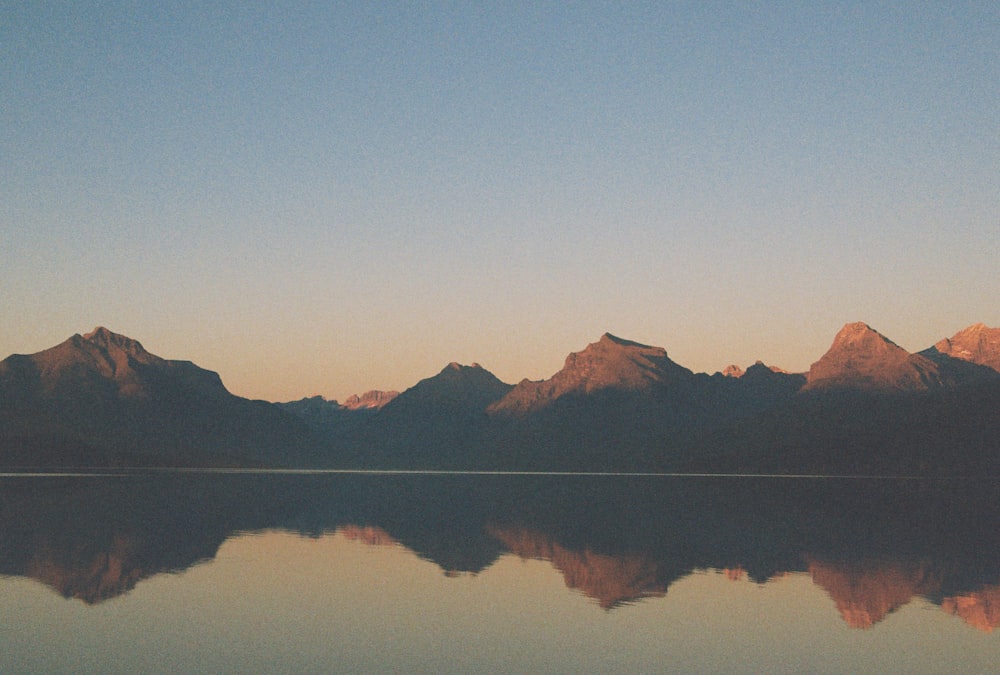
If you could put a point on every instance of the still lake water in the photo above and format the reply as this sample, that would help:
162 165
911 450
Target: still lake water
217 572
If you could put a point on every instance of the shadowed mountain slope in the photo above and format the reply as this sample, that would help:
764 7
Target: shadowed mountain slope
101 398
456 387
437 423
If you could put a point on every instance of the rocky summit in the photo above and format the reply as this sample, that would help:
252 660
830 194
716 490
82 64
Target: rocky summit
370 400
977 344
862 358
100 364
611 363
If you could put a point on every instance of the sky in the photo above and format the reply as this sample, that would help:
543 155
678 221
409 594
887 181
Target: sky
327 198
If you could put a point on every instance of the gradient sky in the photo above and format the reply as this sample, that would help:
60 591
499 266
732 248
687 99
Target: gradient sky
325 198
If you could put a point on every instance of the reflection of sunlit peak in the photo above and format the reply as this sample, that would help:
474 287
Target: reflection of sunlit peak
366 534
980 609
735 573
610 580
111 572
867 592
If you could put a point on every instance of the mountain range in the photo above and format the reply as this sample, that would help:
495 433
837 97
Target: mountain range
865 406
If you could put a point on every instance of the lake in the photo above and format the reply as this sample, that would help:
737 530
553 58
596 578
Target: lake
339 572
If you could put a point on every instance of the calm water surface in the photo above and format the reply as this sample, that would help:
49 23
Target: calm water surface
407 573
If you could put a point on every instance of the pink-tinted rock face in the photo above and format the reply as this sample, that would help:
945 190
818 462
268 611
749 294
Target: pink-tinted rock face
610 363
371 535
980 609
370 400
112 362
732 370
978 344
610 580
866 594
862 358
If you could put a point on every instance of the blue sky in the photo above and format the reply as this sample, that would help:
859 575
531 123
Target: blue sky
327 198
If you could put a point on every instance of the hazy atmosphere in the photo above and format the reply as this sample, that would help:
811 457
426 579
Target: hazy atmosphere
324 198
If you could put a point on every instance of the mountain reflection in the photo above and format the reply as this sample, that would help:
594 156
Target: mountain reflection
872 545
609 579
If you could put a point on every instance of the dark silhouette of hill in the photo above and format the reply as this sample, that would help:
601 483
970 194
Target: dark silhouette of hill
102 399
436 424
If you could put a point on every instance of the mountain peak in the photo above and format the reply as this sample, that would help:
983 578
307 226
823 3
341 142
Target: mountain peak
978 344
104 363
100 333
370 400
860 335
98 354
456 367
110 341
608 338
761 369
611 363
862 358
758 369
472 387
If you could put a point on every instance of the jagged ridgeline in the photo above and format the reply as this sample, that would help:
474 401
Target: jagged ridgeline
866 406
